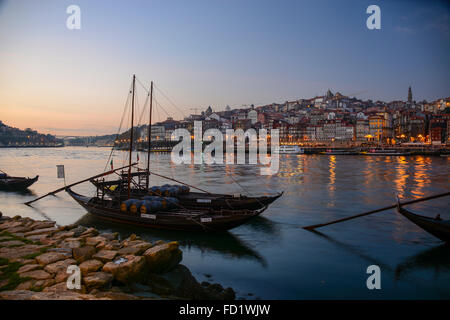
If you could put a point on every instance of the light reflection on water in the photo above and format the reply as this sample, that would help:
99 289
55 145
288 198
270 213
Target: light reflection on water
271 256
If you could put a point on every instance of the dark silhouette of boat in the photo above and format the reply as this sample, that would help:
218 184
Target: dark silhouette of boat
15 183
176 219
435 226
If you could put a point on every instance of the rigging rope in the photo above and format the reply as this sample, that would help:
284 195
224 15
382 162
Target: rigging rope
120 127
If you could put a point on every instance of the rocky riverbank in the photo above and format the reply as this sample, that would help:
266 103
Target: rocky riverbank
35 257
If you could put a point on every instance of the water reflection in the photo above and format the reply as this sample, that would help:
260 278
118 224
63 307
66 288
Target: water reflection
353 250
436 259
332 177
224 243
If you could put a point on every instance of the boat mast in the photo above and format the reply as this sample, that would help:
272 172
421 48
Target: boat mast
131 136
149 134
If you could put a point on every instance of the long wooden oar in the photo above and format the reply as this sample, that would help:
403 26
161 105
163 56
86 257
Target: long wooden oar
75 183
374 211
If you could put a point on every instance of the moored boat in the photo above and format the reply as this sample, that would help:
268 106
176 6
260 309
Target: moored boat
339 152
387 152
15 183
176 219
289 149
435 226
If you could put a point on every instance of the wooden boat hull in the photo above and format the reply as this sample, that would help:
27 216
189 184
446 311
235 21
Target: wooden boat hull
204 200
438 228
199 220
16 183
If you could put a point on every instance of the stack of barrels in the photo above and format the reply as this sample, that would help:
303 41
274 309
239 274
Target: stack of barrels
159 198
168 190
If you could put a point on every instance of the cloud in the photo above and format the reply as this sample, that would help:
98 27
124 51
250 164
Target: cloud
403 29
441 24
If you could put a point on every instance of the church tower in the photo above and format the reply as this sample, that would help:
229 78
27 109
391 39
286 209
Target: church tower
409 96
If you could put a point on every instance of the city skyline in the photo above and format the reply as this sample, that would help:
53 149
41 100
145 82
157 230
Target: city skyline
214 53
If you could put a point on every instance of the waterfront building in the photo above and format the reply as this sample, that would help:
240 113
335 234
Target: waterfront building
253 116
362 129
376 126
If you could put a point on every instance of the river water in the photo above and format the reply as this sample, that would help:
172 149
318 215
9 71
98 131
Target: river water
272 257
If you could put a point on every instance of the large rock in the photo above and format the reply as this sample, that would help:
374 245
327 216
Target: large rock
127 269
89 266
93 241
40 284
98 280
18 252
64 235
109 236
11 243
59 266
28 267
36 274
181 283
105 255
48 231
50 257
83 253
42 225
71 243
163 257
10 224
90 232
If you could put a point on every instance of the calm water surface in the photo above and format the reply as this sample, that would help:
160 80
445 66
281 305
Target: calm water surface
272 257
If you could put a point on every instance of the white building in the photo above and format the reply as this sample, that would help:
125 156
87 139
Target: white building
253 116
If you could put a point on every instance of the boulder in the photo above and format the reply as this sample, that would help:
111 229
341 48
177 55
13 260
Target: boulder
50 257
40 284
78 231
27 285
18 252
59 266
63 235
41 231
89 266
128 250
70 243
178 282
83 253
28 267
42 225
163 257
61 276
127 269
67 252
36 274
98 280
181 283
105 255
109 236
93 241
90 232
11 243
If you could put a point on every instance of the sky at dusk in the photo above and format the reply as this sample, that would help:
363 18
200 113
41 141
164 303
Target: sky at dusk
211 52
